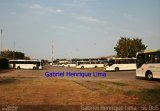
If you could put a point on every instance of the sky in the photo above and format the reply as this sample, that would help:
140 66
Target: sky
78 28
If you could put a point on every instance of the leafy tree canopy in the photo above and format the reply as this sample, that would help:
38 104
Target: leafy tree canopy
127 47
13 55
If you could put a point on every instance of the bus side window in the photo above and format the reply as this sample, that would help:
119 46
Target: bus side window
153 58
92 62
128 61
147 58
123 61
98 62
157 58
117 61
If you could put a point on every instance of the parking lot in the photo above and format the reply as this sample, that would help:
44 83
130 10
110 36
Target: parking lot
27 87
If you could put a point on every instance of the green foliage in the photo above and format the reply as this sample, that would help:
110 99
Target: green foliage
13 55
127 47
146 95
27 58
150 95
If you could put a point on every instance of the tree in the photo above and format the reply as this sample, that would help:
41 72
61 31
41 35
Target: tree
127 47
13 55
26 58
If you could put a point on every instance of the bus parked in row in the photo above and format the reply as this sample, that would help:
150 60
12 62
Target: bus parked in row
25 64
116 64
148 64
70 64
90 64
84 63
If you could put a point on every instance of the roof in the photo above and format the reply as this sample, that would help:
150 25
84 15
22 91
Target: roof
149 51
123 58
23 60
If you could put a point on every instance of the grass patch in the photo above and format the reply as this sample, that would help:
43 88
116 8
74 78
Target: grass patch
106 88
146 95
118 83
150 95
130 92
90 88
8 80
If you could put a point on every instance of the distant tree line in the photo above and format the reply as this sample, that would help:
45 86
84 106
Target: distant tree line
13 55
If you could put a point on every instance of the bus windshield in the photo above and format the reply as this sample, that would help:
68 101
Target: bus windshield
140 60
111 62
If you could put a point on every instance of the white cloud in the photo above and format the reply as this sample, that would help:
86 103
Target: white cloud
46 9
54 10
89 19
59 10
78 3
36 6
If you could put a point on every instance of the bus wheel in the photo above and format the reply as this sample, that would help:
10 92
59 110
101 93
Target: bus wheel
82 67
95 67
18 67
149 75
68 65
116 69
34 67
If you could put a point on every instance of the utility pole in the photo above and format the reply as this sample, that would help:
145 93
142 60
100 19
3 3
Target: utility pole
1 41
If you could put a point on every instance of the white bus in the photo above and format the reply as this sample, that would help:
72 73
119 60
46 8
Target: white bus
25 64
116 64
70 64
90 64
59 62
148 64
